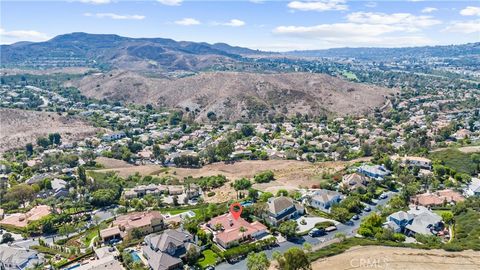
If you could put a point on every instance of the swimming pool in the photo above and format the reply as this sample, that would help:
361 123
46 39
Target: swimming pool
135 256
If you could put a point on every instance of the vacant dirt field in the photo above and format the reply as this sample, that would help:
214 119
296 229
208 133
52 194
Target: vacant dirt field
289 174
389 258
19 127
111 163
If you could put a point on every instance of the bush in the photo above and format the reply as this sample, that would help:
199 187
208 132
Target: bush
210 194
264 177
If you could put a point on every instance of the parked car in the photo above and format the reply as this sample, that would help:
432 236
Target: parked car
316 232
367 209
383 196
355 217
331 228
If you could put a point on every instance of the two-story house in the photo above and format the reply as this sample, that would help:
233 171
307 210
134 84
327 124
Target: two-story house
323 199
281 209
167 250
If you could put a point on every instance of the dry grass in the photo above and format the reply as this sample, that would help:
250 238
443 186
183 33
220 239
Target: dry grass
289 174
237 95
19 127
391 258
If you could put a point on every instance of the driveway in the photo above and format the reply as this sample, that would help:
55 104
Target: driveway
310 223
348 230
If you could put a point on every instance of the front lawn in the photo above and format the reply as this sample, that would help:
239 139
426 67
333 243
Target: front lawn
209 258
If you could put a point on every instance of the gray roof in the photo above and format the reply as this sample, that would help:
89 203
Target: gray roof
13 255
324 195
475 185
423 222
167 238
160 260
401 215
277 205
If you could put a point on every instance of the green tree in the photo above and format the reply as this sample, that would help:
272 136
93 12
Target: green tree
7 238
82 175
224 149
21 193
242 184
257 261
54 138
43 142
265 196
371 225
192 255
264 177
288 228
294 259
282 192
29 149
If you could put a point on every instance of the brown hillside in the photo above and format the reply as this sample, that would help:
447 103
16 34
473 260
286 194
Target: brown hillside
235 96
19 127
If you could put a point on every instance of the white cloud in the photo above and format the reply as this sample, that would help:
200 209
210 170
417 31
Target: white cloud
371 4
323 5
470 11
465 27
170 2
406 21
187 21
233 23
352 34
429 10
337 30
115 16
96 2
13 36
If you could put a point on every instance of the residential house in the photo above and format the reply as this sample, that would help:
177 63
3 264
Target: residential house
410 161
398 221
146 222
323 199
59 189
462 134
228 232
142 190
354 181
18 258
378 172
21 220
437 198
424 222
473 188
167 250
281 209
108 262
113 136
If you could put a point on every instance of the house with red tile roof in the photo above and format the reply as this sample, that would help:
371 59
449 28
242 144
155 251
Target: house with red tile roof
146 222
229 232
21 220
437 198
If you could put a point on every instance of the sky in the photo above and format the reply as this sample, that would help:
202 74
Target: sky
257 24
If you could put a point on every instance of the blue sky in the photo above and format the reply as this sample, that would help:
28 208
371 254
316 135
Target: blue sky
266 25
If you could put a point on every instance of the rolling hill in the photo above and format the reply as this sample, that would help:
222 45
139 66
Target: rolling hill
239 95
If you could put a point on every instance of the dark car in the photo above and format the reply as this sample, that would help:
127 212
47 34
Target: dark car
316 232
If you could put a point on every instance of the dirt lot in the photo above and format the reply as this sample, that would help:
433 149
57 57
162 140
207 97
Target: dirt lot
289 174
111 163
469 149
389 258
19 127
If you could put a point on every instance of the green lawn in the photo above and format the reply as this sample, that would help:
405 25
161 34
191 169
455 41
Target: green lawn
440 212
349 75
209 258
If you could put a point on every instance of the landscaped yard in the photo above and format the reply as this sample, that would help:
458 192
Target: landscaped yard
209 258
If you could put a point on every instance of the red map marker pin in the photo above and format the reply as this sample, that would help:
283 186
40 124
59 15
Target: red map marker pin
236 210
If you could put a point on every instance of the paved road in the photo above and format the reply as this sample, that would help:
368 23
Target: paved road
349 230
